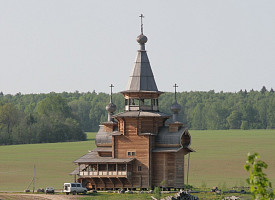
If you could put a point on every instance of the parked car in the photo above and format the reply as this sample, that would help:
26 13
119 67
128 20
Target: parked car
74 188
49 190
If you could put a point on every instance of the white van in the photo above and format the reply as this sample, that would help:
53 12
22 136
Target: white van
74 188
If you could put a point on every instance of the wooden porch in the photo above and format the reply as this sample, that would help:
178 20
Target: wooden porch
106 170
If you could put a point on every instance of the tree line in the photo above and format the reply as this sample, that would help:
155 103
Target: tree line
54 117
26 119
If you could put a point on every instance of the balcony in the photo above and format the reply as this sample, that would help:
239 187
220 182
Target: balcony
106 171
110 174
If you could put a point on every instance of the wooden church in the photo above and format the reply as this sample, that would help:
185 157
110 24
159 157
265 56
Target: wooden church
135 148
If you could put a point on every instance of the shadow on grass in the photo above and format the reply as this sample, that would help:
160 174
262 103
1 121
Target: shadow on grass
115 196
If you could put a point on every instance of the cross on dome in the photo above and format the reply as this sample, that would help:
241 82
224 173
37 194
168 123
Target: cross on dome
175 86
111 107
111 96
175 108
141 39
141 24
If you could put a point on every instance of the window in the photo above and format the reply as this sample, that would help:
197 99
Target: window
141 102
147 102
139 168
131 153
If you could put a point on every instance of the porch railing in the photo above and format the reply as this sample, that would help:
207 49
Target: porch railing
105 173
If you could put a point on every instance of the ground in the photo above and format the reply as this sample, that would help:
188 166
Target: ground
20 196
109 196
218 161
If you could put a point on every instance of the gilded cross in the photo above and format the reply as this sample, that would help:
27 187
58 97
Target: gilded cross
141 16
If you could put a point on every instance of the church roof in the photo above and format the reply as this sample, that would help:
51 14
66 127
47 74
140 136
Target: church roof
142 114
103 137
93 157
164 137
142 78
172 149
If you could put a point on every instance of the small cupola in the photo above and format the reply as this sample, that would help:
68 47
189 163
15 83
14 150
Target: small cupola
110 125
175 108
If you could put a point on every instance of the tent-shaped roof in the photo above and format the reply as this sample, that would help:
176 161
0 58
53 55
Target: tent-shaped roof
142 78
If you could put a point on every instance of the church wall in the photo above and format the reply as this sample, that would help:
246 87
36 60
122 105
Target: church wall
140 146
179 162
146 125
150 125
132 126
168 167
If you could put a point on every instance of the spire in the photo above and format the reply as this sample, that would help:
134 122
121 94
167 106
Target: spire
111 107
142 78
175 108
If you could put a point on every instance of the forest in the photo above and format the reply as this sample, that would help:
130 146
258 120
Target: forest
57 117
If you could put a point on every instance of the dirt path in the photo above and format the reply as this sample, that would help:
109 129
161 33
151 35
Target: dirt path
18 196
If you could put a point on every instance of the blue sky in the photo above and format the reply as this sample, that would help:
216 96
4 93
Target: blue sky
202 45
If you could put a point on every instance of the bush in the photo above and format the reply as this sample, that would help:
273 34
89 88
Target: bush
157 193
244 125
260 186
188 187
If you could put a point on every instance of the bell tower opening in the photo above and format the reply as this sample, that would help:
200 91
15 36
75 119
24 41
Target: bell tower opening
141 104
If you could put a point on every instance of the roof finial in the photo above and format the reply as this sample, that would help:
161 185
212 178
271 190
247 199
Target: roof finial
111 96
175 86
175 108
141 39
111 108
141 16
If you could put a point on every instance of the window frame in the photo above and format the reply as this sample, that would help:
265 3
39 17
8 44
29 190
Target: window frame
131 153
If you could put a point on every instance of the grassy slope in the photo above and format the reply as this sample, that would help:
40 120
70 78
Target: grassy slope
54 161
219 158
221 155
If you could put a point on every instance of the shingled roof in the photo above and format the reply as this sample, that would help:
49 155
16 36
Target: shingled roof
142 78
93 157
142 114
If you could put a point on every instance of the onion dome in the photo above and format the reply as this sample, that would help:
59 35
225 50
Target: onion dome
175 108
111 107
142 39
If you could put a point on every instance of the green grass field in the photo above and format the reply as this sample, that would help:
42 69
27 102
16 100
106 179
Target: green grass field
53 161
221 154
218 160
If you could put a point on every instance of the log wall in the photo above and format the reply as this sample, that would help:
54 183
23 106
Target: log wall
168 167
126 145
